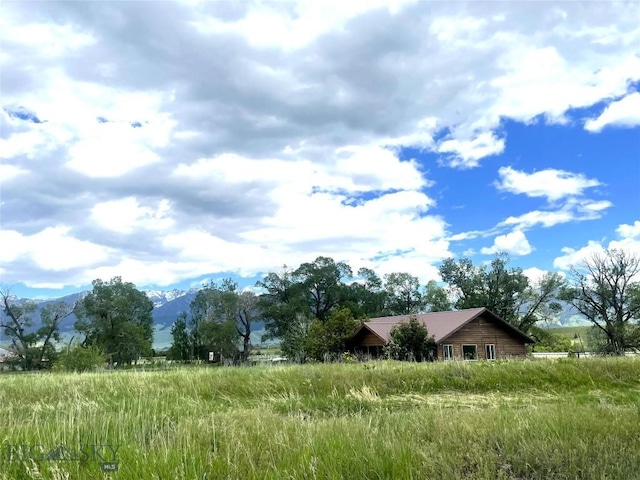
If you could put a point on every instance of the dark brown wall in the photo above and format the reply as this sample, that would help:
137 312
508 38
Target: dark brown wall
366 338
480 332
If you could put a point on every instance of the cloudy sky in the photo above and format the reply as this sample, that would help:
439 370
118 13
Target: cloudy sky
171 142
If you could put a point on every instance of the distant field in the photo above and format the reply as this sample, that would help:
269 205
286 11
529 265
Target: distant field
162 338
571 332
566 419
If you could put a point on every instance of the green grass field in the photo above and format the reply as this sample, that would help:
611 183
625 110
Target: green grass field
567 419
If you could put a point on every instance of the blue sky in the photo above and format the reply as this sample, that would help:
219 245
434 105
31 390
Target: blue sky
174 142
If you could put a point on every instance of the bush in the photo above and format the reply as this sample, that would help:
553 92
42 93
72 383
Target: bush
327 340
411 341
80 359
548 341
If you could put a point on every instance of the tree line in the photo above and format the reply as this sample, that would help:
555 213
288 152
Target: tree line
313 310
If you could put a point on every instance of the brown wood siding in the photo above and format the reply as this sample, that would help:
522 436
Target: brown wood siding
368 339
480 332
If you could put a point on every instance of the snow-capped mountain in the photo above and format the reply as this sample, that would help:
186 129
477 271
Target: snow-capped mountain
162 297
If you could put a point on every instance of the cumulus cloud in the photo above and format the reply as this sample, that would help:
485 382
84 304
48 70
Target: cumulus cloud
551 183
127 215
622 113
270 132
628 240
70 253
629 232
534 274
468 153
513 243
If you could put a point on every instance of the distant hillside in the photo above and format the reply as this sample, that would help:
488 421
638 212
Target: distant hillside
570 317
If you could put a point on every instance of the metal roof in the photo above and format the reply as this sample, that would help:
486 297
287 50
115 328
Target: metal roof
439 324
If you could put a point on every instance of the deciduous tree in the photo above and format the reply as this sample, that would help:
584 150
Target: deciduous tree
294 341
605 289
507 292
181 346
116 317
436 298
403 293
33 346
366 297
329 338
322 282
282 303
224 304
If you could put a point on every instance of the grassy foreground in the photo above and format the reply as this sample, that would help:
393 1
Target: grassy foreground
568 419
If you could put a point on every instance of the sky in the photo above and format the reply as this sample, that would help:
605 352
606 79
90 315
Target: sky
172 142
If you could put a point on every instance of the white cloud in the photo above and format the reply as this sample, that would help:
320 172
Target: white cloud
573 256
127 215
352 170
534 274
284 144
51 40
69 110
139 272
467 153
294 25
22 143
513 243
9 172
630 232
591 207
108 156
571 211
52 249
550 183
319 210
377 168
539 217
622 113
544 80
628 240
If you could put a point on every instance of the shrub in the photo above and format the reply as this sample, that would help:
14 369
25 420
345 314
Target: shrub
328 340
548 341
80 359
411 341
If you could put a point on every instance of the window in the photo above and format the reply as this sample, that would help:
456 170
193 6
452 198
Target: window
470 352
447 352
490 351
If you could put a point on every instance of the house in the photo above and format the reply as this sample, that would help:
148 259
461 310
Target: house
471 334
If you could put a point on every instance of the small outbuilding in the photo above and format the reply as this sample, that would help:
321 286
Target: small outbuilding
471 334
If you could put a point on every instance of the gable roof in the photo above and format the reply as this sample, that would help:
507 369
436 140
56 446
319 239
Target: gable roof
439 324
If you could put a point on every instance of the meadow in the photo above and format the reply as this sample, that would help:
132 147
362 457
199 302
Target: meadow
563 419
571 332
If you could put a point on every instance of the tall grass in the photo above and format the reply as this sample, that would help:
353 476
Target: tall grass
570 419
